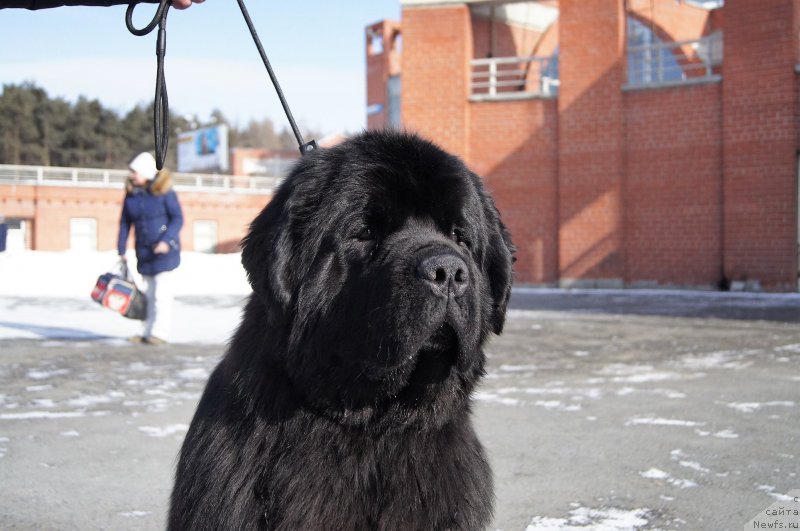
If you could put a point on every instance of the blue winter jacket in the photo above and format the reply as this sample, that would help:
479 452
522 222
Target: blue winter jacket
155 213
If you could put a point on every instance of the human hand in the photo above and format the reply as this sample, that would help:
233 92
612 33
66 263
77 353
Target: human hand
161 248
183 4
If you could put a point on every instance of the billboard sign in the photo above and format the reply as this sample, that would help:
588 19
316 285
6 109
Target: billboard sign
203 149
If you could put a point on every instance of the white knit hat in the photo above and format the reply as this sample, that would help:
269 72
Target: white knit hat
145 165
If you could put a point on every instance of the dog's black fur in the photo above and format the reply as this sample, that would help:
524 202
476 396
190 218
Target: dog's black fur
378 269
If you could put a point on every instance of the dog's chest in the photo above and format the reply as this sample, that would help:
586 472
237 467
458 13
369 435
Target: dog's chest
353 481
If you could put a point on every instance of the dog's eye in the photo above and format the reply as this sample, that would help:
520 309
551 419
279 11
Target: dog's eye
366 234
458 237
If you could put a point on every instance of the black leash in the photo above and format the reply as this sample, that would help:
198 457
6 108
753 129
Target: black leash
161 107
161 104
305 147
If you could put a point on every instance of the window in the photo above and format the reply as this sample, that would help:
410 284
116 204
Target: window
205 236
17 236
83 234
648 62
393 96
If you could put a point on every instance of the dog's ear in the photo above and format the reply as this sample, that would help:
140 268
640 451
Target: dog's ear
266 251
498 260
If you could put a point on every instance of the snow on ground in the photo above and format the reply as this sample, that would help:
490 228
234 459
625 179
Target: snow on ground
45 295
72 274
603 519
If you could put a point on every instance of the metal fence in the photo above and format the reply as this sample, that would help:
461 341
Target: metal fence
499 78
668 63
98 178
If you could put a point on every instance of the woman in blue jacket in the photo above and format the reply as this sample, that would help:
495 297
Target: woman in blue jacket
152 208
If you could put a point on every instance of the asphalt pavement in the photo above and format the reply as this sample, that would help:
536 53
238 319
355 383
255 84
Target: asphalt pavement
600 411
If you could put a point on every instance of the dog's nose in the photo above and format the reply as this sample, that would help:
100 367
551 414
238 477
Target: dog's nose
444 273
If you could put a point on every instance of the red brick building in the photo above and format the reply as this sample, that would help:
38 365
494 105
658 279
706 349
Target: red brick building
627 142
58 209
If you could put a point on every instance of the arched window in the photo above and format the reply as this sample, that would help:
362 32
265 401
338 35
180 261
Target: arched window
648 62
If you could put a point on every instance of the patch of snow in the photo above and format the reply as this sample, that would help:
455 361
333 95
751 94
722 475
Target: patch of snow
70 433
770 489
28 415
650 377
80 318
544 390
194 374
795 347
660 475
654 473
496 399
208 274
37 388
603 519
518 368
557 405
89 400
134 514
623 369
166 431
42 375
724 359
655 421
624 373
682 483
669 393
727 434
749 407
694 466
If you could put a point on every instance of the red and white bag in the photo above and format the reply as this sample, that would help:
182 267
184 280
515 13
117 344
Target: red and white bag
119 293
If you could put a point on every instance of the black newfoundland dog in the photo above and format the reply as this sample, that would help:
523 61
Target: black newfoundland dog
343 402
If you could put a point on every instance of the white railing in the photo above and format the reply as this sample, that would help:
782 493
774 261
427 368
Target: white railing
499 78
669 63
98 178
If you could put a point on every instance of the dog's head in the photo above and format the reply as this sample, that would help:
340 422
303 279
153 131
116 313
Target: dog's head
386 265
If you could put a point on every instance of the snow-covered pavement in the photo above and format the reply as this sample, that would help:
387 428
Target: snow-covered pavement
46 296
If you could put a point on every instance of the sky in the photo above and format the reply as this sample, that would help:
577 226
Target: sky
316 48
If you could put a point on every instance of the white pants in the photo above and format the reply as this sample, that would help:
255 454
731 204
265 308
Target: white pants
159 292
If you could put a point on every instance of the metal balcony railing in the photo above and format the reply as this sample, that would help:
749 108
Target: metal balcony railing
98 178
675 63
504 78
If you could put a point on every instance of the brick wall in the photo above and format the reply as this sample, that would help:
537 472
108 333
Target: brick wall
514 146
437 48
51 208
673 186
760 143
590 143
